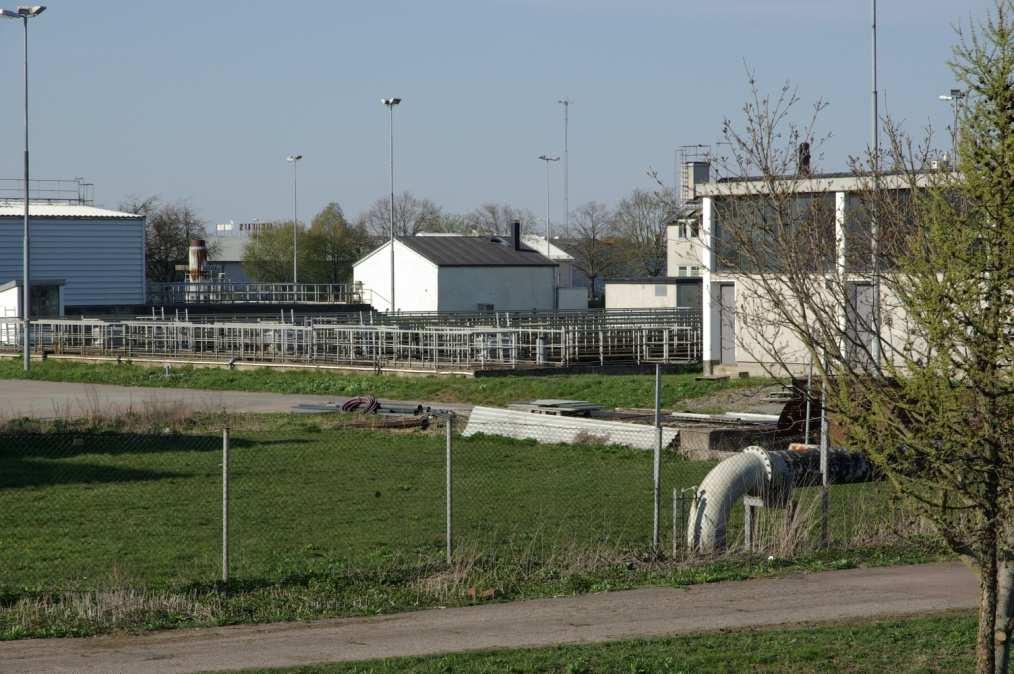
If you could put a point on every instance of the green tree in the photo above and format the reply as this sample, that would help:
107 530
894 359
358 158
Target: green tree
267 257
169 227
331 246
925 386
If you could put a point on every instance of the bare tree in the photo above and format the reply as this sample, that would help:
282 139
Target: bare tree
640 220
901 297
590 242
169 227
411 216
494 218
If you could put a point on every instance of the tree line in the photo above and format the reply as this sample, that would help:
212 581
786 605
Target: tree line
627 239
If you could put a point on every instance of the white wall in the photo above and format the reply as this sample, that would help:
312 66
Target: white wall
101 259
681 252
640 296
415 279
506 288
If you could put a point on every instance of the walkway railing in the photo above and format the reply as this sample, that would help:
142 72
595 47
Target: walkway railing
215 292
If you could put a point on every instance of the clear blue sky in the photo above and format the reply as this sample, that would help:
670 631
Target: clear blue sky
203 100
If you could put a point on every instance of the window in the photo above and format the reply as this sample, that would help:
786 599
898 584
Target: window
660 290
485 307
681 229
695 229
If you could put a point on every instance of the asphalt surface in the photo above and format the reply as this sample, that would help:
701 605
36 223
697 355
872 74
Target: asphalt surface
48 399
649 612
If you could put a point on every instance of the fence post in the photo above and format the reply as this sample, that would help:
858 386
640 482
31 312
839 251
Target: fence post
225 505
449 491
657 461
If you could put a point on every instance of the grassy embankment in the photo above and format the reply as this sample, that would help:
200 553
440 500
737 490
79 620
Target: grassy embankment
940 643
117 530
608 390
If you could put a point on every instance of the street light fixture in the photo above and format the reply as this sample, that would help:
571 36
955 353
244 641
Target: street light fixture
294 159
954 97
390 103
556 282
25 13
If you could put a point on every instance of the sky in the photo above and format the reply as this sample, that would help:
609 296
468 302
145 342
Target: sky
203 101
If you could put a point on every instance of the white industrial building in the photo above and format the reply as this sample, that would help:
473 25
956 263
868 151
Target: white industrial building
97 255
459 273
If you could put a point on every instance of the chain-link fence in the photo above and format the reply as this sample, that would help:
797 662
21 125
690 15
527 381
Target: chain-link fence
100 510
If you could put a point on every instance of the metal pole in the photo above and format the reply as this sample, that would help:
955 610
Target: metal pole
549 234
809 388
449 491
657 461
391 137
25 278
295 221
875 228
824 482
566 163
225 505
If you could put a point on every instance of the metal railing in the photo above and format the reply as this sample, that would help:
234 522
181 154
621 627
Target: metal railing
433 347
216 292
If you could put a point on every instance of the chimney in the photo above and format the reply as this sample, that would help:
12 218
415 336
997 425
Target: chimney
803 165
694 173
516 234
198 257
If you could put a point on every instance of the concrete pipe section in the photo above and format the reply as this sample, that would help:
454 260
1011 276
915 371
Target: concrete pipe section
768 475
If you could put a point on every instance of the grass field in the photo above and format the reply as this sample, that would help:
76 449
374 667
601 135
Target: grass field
939 643
608 390
101 531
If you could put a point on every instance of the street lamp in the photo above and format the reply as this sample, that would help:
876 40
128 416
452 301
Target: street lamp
294 159
565 102
955 98
547 158
390 103
25 13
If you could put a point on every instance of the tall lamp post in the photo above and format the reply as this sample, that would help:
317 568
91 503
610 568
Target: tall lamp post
955 98
565 102
294 159
390 103
25 13
547 158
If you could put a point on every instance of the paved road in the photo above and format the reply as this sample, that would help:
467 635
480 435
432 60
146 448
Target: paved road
646 612
48 399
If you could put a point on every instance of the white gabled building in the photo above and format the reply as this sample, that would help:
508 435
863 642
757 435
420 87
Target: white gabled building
458 273
97 255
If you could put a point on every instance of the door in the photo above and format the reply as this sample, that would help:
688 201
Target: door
727 322
859 318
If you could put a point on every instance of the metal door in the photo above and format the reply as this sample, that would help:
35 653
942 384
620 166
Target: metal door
727 321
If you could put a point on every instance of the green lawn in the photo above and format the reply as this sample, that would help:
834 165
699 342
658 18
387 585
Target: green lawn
114 530
608 390
939 643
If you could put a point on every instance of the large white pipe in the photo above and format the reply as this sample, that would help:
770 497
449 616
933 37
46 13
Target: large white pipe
723 487
767 475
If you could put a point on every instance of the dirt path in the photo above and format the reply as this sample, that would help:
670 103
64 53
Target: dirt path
50 399
834 595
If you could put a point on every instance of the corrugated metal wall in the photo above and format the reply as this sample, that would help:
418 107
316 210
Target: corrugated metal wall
101 259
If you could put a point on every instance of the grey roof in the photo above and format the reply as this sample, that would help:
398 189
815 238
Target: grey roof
226 248
474 251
